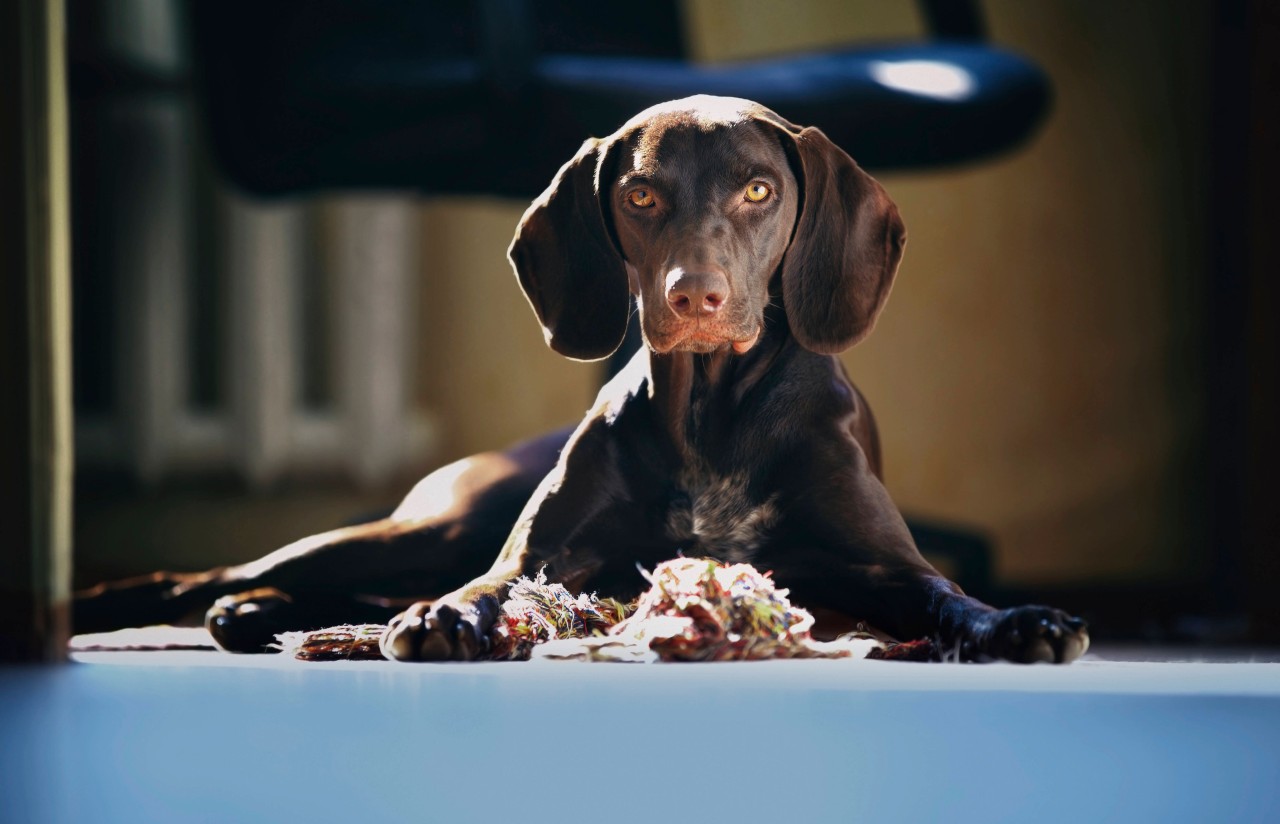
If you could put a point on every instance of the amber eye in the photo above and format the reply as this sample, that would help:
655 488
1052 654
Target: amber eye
641 198
757 192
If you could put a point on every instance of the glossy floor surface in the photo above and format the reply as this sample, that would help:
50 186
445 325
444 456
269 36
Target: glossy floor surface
201 736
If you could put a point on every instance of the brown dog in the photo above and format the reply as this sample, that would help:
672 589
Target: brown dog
755 250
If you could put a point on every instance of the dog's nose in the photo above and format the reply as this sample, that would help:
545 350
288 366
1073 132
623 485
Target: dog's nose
693 294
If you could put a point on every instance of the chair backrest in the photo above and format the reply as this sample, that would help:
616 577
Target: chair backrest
491 97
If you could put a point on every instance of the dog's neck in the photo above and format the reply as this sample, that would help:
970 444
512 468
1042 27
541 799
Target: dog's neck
694 394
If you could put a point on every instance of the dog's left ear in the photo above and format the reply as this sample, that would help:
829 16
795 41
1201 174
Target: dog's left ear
846 248
567 263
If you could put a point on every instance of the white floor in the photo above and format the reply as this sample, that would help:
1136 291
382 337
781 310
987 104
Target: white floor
200 736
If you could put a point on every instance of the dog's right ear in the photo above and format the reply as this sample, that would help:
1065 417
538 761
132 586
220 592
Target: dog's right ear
567 263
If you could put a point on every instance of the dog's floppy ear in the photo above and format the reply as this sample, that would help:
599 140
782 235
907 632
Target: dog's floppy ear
846 248
567 263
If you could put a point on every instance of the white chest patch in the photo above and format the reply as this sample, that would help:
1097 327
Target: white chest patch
716 516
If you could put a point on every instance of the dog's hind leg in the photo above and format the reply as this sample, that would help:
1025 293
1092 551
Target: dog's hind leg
446 532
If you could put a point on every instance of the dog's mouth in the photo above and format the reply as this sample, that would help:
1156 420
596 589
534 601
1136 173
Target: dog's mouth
703 340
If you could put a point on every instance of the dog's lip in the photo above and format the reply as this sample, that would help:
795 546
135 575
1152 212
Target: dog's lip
698 339
744 346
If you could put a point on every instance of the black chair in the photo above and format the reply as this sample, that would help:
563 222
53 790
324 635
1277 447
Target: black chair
491 97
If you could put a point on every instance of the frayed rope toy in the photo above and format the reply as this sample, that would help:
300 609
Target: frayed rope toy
695 609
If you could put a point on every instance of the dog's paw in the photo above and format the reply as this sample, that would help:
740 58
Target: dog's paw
249 621
441 632
1027 635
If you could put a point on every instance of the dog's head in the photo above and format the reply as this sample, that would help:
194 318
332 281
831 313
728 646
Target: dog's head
692 207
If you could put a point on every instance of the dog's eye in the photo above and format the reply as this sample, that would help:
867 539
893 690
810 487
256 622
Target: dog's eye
757 192
641 198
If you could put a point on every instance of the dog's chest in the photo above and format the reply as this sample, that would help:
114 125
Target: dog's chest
714 514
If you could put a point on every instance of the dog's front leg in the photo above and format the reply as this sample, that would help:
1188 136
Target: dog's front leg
909 600
858 557
458 626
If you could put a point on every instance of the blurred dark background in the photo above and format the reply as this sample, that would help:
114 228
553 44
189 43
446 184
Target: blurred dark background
1075 367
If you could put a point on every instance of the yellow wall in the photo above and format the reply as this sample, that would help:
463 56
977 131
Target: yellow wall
1045 304
1034 372
486 372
